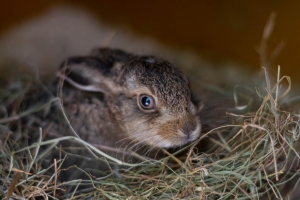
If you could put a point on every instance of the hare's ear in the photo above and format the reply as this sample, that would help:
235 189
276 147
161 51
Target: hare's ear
111 56
89 74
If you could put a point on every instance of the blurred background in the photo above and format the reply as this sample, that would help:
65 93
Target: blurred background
218 30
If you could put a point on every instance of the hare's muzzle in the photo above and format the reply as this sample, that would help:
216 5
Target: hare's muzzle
178 132
190 126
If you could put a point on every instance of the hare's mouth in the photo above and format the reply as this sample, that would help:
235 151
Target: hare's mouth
172 138
191 138
182 140
194 134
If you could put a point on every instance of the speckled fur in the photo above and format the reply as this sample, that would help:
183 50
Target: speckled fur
117 120
162 79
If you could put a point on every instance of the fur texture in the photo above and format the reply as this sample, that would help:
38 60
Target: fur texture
118 120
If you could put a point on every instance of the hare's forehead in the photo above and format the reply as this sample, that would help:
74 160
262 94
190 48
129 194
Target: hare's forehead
170 92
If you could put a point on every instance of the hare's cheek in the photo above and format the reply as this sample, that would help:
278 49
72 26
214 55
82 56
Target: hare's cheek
169 133
167 129
178 132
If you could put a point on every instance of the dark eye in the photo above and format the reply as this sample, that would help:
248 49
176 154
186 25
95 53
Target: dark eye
147 102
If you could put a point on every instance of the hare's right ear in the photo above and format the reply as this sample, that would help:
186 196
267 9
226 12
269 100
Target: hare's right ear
90 74
110 56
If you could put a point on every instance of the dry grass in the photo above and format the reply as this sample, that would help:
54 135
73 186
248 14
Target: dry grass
253 158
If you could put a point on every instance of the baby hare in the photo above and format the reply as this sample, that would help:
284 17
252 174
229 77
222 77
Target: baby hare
146 101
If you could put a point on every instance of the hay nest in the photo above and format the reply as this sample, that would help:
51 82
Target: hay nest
252 158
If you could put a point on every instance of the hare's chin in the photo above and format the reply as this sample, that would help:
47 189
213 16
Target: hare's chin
180 141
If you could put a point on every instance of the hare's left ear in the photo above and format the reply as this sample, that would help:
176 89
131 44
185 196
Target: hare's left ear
89 74
110 56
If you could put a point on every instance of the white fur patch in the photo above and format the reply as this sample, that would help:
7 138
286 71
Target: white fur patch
150 60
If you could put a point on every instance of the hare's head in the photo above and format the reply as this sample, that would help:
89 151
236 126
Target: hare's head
149 98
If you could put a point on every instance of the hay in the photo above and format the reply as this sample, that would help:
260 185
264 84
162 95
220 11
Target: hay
252 158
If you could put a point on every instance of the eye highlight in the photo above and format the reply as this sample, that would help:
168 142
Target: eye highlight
146 102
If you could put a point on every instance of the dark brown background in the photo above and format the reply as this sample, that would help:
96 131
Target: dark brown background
225 29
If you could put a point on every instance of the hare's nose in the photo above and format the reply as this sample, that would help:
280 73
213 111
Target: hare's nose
189 127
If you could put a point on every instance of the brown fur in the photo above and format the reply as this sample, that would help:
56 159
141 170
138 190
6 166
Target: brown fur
118 120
